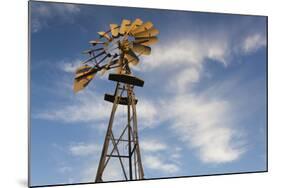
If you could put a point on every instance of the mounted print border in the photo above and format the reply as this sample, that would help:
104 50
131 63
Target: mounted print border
128 94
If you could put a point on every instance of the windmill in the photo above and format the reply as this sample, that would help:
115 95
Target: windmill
119 48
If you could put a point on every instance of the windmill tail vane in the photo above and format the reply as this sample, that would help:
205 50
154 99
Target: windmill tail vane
119 48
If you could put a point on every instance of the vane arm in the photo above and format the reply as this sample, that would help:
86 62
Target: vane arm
102 59
90 59
109 65
91 51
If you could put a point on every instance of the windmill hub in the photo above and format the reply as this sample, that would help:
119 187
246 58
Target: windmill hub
125 45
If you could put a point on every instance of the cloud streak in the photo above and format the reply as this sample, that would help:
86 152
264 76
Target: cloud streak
82 149
253 42
81 110
152 145
87 107
70 67
43 13
153 150
155 162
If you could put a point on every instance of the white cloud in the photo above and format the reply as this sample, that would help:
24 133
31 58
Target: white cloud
70 66
253 42
42 13
185 79
82 149
176 154
147 114
205 125
152 145
154 162
158 156
186 57
186 52
88 107
85 107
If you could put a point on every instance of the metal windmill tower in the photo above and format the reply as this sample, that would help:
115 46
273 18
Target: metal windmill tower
119 48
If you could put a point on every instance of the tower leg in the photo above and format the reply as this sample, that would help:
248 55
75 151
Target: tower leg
107 137
129 135
137 147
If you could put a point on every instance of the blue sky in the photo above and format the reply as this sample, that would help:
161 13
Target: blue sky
201 111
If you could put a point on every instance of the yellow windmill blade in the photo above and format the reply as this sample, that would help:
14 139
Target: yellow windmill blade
81 83
134 25
149 33
105 35
141 49
132 57
141 28
83 75
146 40
82 71
125 25
114 28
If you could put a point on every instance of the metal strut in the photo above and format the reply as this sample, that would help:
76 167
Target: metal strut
130 161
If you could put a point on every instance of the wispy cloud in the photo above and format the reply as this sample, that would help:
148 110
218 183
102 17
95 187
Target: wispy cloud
147 113
88 107
152 145
159 156
82 149
43 13
70 66
186 57
155 162
184 51
81 109
254 42
205 125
